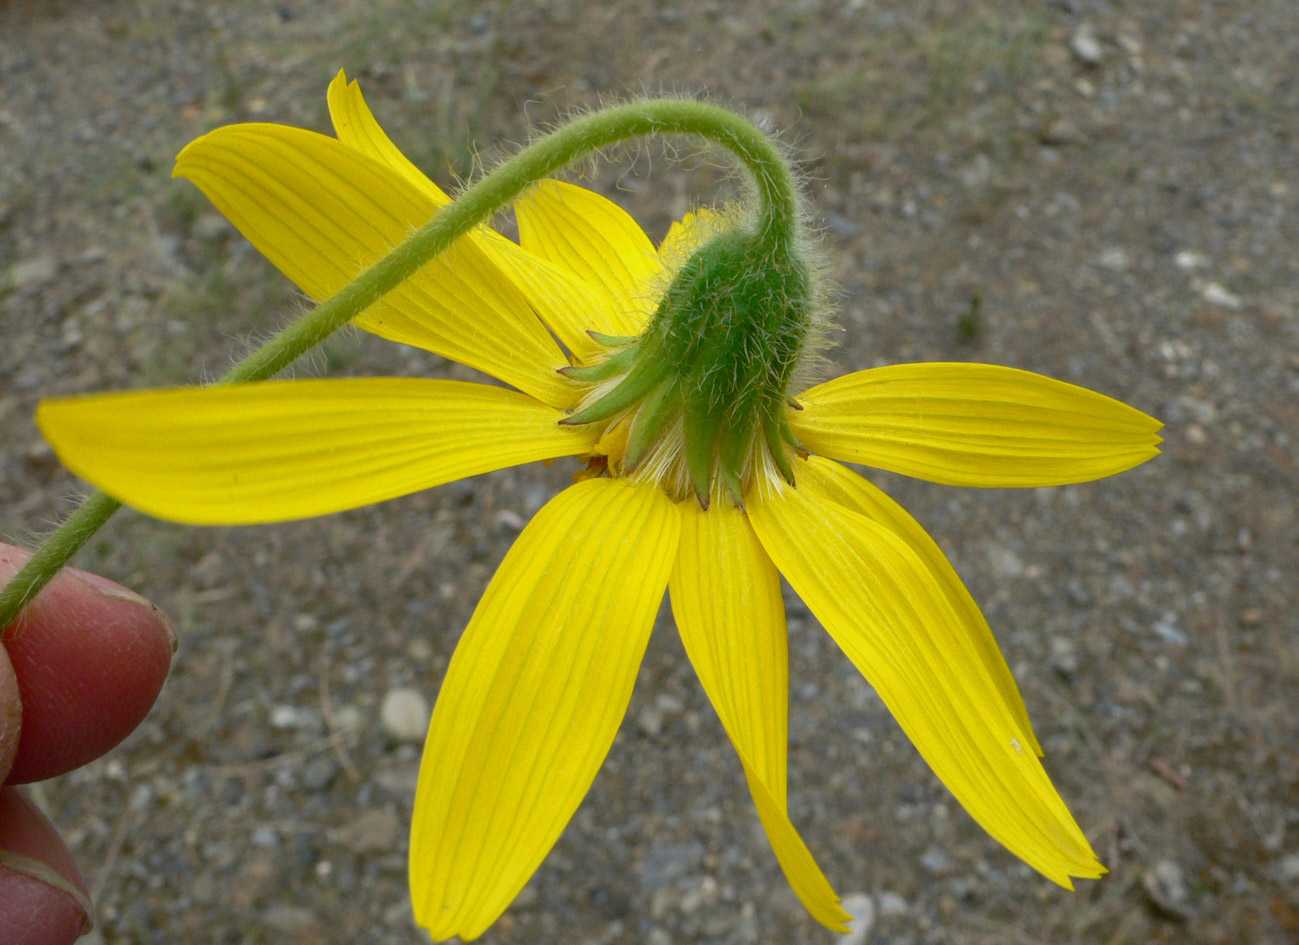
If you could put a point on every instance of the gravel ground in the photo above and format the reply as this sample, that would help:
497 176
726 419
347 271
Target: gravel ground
1103 192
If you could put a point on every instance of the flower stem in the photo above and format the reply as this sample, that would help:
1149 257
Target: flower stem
53 554
778 222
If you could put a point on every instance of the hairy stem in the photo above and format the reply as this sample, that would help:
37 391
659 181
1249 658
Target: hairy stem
778 206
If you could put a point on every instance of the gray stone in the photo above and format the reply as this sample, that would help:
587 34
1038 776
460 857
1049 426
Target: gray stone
349 719
404 715
935 861
1215 294
400 780
319 773
265 836
374 831
1167 630
1004 561
891 904
509 522
1085 47
1288 869
296 717
1058 131
209 227
1165 884
1064 656
977 173
291 919
862 909
33 273
650 720
1115 259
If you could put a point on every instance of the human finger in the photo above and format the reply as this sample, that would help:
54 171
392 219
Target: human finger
43 899
89 658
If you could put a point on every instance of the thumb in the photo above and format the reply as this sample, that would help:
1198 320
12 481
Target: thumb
90 658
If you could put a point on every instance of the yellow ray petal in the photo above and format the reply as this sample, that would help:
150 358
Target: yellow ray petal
292 449
974 425
355 126
726 599
322 212
839 484
570 307
533 697
596 240
796 861
889 614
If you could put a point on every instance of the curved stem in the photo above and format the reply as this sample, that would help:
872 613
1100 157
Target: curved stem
772 177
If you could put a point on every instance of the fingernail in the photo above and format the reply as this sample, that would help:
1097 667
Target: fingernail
113 591
43 873
172 637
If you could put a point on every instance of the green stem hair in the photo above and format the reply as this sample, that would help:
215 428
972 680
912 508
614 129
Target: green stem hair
777 224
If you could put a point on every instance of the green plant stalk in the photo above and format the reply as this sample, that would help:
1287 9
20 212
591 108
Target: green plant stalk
778 223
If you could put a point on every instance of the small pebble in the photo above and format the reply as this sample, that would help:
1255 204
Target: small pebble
650 720
1165 884
1058 131
1114 259
1086 47
1064 656
265 836
1005 562
33 273
891 904
509 522
209 227
373 831
1288 868
1167 630
862 909
935 862
1188 259
291 919
1215 294
319 773
349 719
284 716
141 797
663 863
404 715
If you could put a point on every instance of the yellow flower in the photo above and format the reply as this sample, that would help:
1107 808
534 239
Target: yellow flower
543 674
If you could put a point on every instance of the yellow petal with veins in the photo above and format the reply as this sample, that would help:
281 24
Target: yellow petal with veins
323 212
726 599
838 484
569 306
884 607
283 450
534 696
973 425
597 241
355 126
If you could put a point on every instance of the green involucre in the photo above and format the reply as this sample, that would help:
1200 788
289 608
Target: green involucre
718 356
